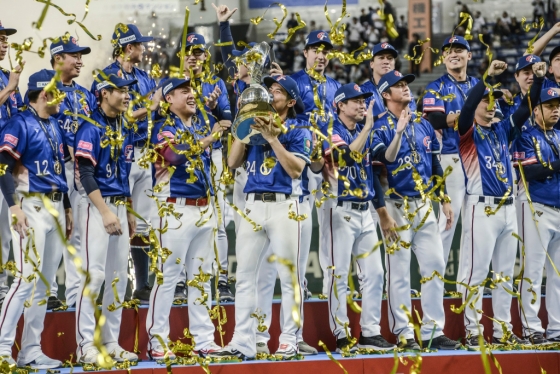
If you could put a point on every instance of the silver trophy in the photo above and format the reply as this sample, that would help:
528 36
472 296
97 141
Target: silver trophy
255 100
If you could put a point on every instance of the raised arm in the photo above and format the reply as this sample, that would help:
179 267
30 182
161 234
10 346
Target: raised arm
522 114
224 14
543 41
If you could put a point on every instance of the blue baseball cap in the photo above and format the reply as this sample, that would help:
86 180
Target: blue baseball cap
41 79
132 35
553 53
170 84
291 88
7 31
318 37
70 46
195 40
391 78
456 40
548 94
349 91
384 47
525 61
112 78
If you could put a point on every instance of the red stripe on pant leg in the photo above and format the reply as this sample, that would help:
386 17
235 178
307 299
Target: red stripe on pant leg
297 268
389 292
472 257
331 293
156 290
87 271
522 261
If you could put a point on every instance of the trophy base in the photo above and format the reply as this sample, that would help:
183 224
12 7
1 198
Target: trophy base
241 128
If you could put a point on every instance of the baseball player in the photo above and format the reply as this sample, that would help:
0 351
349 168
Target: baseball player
190 243
268 270
318 62
351 226
32 147
66 56
216 100
128 52
524 78
273 195
488 211
104 170
442 115
538 151
10 101
409 149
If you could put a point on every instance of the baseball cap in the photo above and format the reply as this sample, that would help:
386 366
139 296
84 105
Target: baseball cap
384 47
41 79
170 84
112 78
349 91
68 46
195 40
392 77
525 61
497 93
318 37
554 52
548 94
6 30
456 40
290 86
132 35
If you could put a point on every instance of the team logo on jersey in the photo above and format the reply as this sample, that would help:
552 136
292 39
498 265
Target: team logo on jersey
13 98
429 101
428 144
61 148
347 218
518 155
191 38
539 213
37 208
322 35
384 45
9 138
86 146
128 153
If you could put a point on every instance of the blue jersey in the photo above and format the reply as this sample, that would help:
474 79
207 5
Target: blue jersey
79 101
444 86
263 178
325 92
417 136
25 140
144 85
378 106
111 173
359 176
549 83
222 110
13 103
533 147
179 182
485 155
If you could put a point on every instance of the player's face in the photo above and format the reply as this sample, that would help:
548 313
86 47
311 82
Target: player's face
280 99
313 56
524 78
353 108
548 113
183 100
3 45
554 67
134 52
400 93
482 111
382 63
117 99
194 58
70 64
456 58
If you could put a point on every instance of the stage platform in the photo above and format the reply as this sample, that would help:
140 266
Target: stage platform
59 341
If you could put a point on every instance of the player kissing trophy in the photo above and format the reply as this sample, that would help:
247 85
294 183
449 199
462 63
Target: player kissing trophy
255 100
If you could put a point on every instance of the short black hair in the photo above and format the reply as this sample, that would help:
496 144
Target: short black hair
108 88
384 100
291 112
52 58
33 96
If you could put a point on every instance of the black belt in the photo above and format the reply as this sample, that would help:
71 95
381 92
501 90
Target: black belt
115 199
356 206
497 200
55 196
267 197
139 143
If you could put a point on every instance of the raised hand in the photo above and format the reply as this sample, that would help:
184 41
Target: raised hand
223 12
539 69
403 120
496 68
212 100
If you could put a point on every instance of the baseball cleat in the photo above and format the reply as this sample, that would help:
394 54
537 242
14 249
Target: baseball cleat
442 342
409 345
343 343
305 349
210 348
286 351
511 340
54 303
90 357
376 342
180 296
229 351
554 340
40 363
159 355
538 339
263 348
143 295
307 294
472 343
224 293
119 354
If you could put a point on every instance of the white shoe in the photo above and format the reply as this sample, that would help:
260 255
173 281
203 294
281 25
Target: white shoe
210 348
159 354
119 354
41 363
90 357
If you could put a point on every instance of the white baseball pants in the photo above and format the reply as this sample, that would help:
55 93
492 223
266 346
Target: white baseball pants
104 258
537 244
487 239
269 270
221 239
239 196
49 246
283 235
426 244
5 238
194 247
140 181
